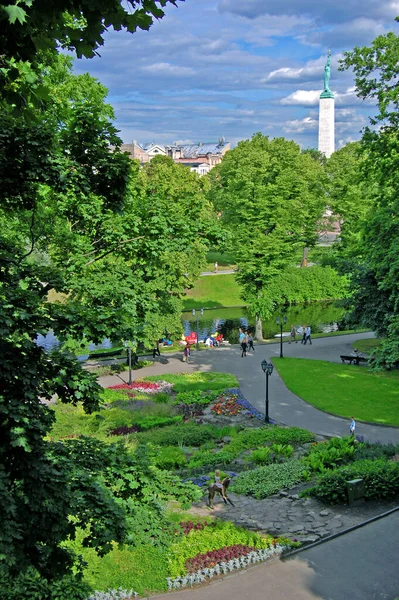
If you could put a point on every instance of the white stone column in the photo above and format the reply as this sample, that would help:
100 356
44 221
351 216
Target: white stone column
326 125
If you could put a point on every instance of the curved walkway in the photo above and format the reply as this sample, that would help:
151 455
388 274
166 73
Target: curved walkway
284 406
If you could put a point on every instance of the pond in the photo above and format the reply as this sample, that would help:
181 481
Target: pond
322 317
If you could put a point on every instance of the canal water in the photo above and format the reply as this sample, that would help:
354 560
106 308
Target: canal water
322 317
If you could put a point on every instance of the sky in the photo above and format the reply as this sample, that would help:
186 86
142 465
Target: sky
231 68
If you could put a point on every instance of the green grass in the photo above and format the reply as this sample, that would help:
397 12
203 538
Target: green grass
367 345
225 260
186 382
343 390
214 291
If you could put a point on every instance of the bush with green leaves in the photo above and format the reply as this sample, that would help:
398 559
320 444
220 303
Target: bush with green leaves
381 481
169 458
369 450
207 458
261 456
30 585
253 438
211 538
265 481
331 454
186 434
196 397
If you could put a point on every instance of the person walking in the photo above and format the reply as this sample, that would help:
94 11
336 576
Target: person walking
251 342
308 331
216 267
156 350
303 334
352 427
293 335
187 353
244 345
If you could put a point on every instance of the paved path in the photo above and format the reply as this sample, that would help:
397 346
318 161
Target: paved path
285 407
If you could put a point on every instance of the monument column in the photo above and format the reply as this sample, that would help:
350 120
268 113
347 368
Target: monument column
326 115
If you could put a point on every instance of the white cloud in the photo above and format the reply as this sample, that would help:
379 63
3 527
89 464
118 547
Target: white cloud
300 125
302 98
167 70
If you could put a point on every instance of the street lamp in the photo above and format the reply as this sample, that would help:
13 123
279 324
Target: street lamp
201 312
129 355
281 321
267 368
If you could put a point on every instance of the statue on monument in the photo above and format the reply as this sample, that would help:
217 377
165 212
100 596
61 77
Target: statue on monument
327 72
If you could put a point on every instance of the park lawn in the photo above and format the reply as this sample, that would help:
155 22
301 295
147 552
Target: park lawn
189 382
343 390
368 345
214 291
225 260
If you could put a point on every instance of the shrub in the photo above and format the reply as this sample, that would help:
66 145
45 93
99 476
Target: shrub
180 435
282 451
264 481
330 454
169 458
30 585
211 538
381 481
206 458
210 558
261 456
152 422
196 397
371 451
251 438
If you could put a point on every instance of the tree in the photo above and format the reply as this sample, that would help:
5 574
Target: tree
376 290
271 197
32 32
70 221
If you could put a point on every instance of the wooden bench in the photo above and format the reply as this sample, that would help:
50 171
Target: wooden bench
353 359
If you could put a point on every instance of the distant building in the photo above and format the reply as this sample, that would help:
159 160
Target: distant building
199 157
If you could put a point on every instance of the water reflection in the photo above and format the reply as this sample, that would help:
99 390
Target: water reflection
320 316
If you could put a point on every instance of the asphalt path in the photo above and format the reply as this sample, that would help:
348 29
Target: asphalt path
284 406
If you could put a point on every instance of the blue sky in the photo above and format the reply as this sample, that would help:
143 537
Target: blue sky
213 68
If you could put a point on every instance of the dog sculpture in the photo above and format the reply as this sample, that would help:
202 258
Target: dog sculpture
214 489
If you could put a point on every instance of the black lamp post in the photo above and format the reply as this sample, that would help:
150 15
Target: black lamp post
129 355
201 312
281 321
267 368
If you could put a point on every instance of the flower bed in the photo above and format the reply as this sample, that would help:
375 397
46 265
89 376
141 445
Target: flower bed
231 403
147 387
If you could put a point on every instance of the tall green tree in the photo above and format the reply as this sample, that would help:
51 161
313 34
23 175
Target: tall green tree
376 288
271 197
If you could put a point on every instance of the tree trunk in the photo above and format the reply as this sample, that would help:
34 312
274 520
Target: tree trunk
304 262
258 329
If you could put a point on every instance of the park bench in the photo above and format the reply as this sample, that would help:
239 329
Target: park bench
353 359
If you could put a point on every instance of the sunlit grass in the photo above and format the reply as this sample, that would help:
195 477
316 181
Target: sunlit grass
343 390
185 382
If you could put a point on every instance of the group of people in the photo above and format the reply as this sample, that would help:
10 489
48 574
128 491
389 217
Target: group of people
306 334
246 342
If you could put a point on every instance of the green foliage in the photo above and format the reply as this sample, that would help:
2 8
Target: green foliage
254 188
196 397
370 451
124 566
265 481
30 585
296 286
186 382
252 438
210 538
207 458
375 298
381 480
261 456
180 435
331 454
169 458
282 451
